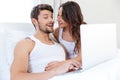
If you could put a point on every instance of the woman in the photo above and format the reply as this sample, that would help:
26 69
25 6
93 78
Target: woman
68 33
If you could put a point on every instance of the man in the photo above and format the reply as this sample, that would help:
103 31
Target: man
33 54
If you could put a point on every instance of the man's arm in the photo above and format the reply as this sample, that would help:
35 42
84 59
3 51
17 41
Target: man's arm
19 66
72 64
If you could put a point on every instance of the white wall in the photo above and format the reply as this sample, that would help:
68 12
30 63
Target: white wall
101 11
15 11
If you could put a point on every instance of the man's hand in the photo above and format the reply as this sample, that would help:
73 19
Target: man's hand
63 66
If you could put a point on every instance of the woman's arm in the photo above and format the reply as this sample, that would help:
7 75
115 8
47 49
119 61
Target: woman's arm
56 33
79 56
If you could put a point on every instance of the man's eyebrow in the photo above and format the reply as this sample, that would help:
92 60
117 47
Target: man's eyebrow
45 14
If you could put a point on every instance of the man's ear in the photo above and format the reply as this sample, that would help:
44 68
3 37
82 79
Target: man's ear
34 21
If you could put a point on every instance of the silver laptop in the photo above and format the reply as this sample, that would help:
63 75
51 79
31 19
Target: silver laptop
98 44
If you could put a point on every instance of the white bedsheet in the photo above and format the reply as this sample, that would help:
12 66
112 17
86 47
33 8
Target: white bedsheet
109 70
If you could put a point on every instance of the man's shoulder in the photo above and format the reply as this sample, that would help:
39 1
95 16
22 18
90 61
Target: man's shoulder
25 43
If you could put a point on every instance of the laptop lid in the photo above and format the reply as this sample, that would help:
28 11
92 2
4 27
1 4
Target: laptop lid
98 43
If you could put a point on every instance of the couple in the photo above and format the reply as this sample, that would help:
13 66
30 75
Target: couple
38 57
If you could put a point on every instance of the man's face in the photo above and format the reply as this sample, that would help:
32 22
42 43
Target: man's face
45 21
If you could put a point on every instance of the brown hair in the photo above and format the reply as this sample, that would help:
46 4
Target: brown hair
36 10
71 13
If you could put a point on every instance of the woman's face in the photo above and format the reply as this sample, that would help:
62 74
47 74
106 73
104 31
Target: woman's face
60 20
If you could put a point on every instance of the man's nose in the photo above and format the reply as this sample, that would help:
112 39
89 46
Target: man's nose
52 20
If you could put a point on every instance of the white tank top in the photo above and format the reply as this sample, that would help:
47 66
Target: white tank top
68 45
42 54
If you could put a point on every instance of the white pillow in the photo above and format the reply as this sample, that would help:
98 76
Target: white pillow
4 69
10 34
12 38
1 39
2 50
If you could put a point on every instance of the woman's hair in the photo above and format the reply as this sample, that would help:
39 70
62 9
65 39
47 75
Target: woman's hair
71 13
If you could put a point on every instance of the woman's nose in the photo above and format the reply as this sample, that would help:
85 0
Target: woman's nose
58 18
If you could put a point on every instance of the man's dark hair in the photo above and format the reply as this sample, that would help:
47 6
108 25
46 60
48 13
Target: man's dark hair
36 10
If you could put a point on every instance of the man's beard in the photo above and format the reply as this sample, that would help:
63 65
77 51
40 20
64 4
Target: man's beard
45 31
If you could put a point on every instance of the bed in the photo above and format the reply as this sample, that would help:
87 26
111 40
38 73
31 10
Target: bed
11 33
109 70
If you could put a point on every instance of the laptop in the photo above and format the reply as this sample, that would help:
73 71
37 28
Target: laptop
98 44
